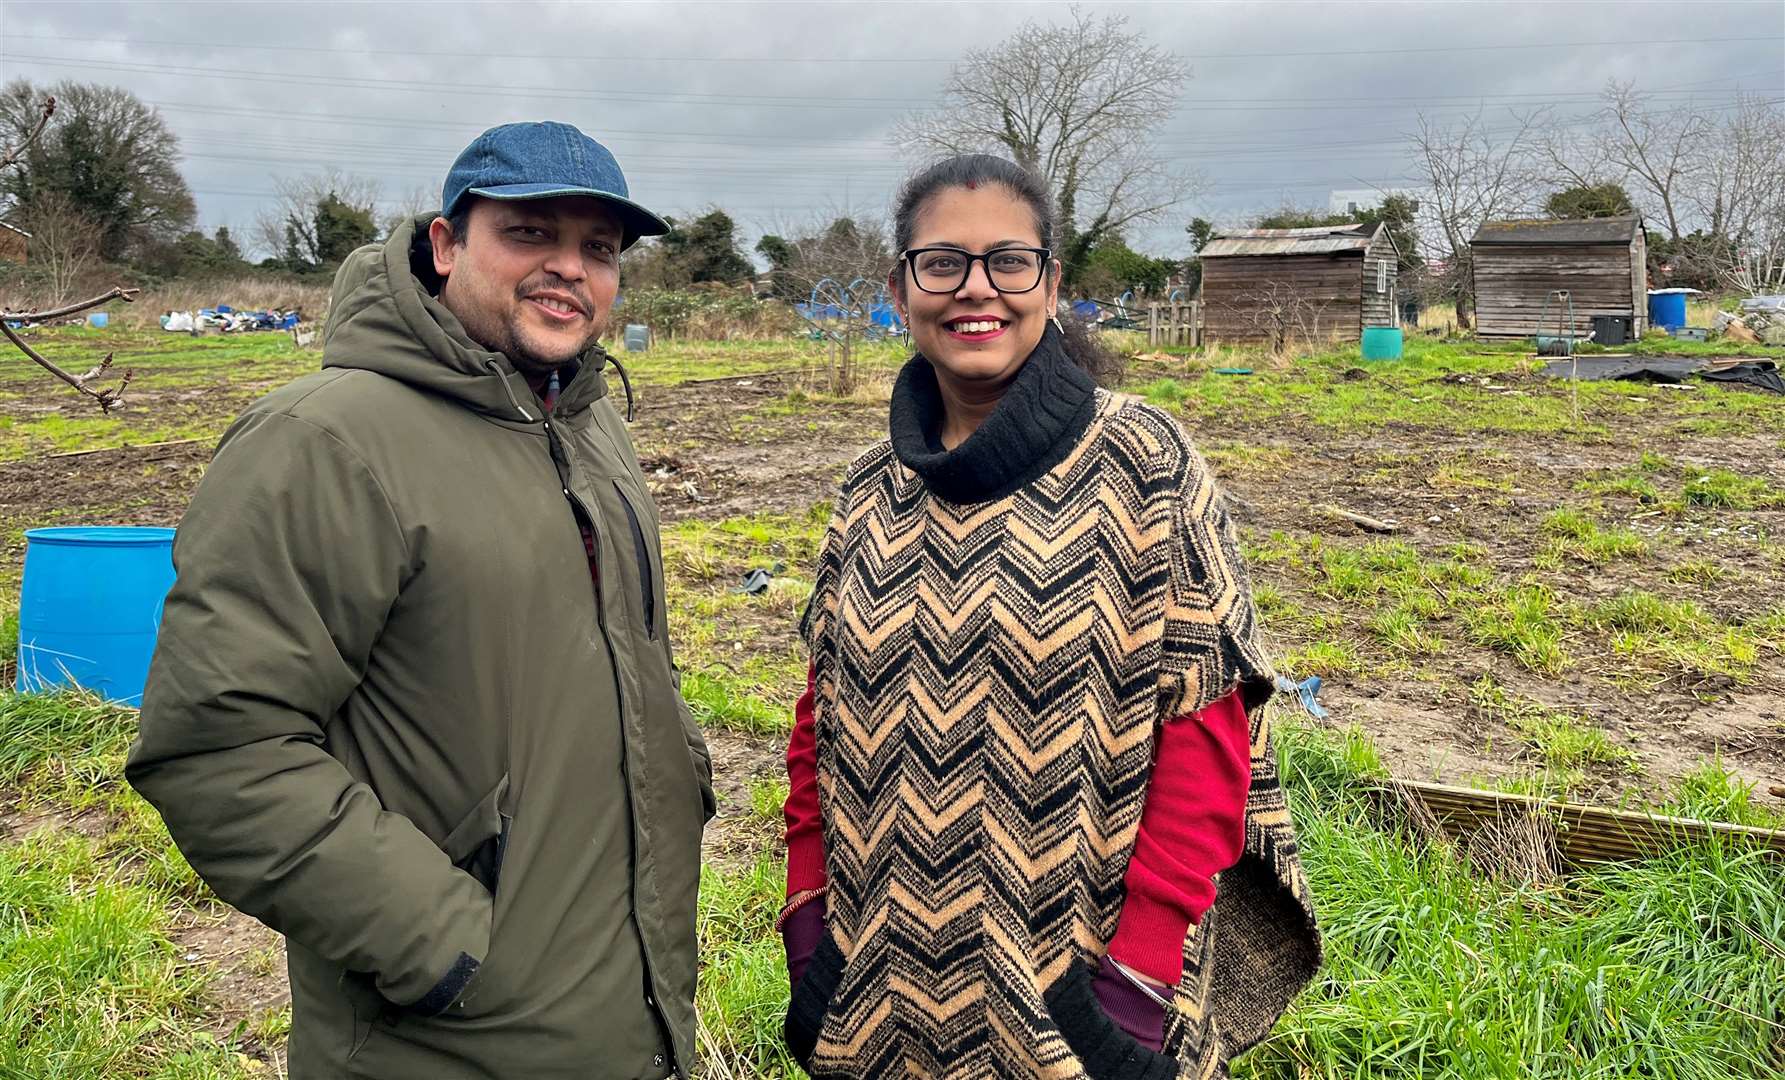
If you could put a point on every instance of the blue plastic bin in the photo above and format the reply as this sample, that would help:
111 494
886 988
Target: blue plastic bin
98 319
90 607
1667 308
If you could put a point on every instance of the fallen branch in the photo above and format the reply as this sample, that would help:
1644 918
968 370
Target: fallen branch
1362 521
746 375
126 446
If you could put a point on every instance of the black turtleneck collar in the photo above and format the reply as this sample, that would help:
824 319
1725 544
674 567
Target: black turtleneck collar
1047 406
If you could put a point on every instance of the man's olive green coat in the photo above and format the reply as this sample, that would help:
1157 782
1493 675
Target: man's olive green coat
391 716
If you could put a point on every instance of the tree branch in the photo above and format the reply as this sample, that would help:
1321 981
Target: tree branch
107 397
13 155
117 292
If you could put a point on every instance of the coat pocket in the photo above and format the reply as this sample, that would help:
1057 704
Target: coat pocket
812 999
477 843
1104 1050
641 549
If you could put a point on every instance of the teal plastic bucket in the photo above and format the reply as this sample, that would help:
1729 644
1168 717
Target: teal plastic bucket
90 606
1382 343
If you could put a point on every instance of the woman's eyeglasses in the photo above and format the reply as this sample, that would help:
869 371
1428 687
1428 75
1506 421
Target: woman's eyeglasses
1009 269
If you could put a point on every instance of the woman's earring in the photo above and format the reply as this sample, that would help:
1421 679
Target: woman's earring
1055 319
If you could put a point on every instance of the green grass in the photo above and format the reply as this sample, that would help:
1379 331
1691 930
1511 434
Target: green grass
768 794
1435 971
1574 535
1727 490
668 363
1323 658
181 387
742 995
1697 572
1520 622
1562 743
1680 635
91 983
1452 386
743 662
716 703
1712 793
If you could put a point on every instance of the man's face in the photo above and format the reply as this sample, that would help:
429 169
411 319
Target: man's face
533 279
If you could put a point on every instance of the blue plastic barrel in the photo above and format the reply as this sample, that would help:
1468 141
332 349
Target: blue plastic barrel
90 606
1382 343
98 319
1667 308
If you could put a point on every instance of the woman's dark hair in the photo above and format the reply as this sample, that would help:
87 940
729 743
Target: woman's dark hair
974 170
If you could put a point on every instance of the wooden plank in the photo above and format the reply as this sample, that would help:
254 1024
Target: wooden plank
130 446
1585 834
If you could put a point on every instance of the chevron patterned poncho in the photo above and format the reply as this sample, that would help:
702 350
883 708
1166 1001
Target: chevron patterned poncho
996 633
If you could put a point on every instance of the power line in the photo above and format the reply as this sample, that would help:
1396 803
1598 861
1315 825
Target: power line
417 86
233 46
752 100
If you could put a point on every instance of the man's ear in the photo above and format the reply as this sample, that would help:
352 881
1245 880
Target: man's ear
441 239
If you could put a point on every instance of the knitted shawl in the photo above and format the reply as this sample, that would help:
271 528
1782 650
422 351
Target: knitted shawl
997 633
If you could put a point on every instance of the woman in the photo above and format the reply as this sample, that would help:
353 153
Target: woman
1024 753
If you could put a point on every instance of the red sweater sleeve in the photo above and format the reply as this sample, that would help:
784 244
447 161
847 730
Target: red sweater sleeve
1192 827
805 836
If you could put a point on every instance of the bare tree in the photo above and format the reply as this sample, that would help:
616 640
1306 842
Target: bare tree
838 269
1471 174
288 227
414 202
1659 149
1283 315
107 397
1080 104
1739 181
63 243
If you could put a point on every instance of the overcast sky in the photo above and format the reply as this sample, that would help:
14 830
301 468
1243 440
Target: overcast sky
778 112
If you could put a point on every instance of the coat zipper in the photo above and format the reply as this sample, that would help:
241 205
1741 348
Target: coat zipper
646 572
613 662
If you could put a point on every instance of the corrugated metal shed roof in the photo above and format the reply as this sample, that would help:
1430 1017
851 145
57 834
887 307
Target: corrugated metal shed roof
1609 230
1320 240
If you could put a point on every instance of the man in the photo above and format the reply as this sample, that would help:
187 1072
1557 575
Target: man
390 714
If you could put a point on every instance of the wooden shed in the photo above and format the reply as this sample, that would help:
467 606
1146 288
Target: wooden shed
1272 285
1600 262
14 243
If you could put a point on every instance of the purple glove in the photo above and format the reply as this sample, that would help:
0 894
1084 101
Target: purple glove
1129 1007
800 934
